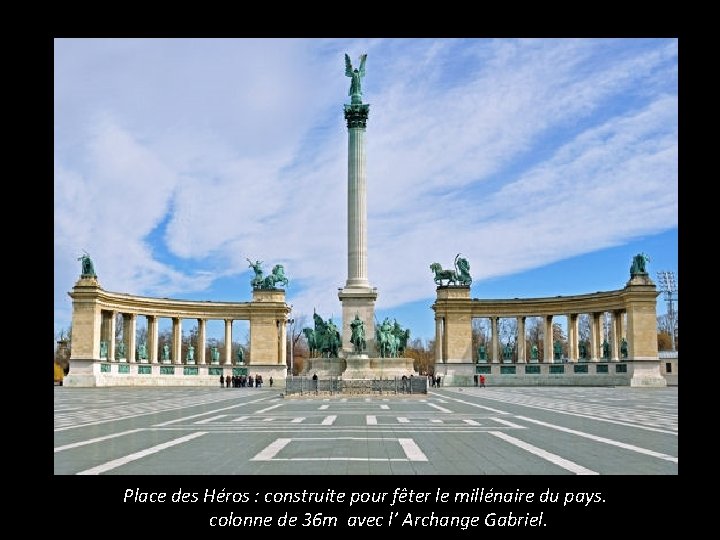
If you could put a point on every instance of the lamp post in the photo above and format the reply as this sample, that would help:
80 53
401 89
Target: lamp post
668 285
291 323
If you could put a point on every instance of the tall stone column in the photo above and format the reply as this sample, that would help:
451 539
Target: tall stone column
618 318
228 342
201 341
152 326
521 358
614 339
439 338
129 331
594 337
111 345
177 340
357 297
548 340
573 337
495 342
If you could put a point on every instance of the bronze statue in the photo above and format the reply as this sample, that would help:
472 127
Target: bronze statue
356 75
358 334
88 270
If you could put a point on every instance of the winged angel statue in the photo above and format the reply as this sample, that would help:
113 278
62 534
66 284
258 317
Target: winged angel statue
355 74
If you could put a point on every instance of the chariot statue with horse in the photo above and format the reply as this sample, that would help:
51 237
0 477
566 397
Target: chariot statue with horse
267 282
324 339
459 276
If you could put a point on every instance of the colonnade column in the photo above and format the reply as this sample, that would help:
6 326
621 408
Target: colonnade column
439 338
129 326
548 340
228 342
594 336
152 326
282 342
177 340
201 341
495 341
614 338
618 318
572 319
111 338
521 358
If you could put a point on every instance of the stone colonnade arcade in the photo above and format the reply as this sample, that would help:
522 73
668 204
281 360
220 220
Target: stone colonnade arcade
455 360
93 357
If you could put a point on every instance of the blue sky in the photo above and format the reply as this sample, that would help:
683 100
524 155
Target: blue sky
548 163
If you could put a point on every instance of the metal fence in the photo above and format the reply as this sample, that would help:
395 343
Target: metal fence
338 385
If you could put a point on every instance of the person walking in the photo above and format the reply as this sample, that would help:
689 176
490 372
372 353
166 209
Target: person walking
482 381
222 381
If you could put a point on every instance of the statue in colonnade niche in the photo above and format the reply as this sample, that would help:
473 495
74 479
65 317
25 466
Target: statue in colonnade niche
557 350
624 348
606 349
582 347
165 355
482 355
142 352
534 352
214 355
103 349
508 351
190 356
120 350
240 355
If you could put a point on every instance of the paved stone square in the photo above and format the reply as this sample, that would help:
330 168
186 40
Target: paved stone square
505 431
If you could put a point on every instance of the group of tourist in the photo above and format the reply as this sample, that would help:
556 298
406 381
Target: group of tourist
242 381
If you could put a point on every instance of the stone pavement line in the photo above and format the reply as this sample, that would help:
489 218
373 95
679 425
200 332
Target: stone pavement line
552 458
371 420
140 410
582 415
605 440
329 420
139 455
439 408
409 446
412 450
96 439
184 418
206 420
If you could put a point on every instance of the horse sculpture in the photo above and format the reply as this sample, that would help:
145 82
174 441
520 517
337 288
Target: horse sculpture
639 264
277 276
440 274
323 340
460 275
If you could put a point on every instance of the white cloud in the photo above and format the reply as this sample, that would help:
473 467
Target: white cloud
516 153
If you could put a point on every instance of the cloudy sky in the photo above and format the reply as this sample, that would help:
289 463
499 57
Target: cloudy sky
548 163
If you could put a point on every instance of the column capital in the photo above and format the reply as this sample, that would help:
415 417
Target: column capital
356 115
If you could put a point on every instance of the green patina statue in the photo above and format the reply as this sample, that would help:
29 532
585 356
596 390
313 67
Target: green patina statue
606 350
88 270
461 274
557 350
582 350
358 334
534 352
508 351
240 355
190 356
120 350
355 75
214 355
482 355
624 348
165 355
324 339
142 352
639 264
268 282
103 349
